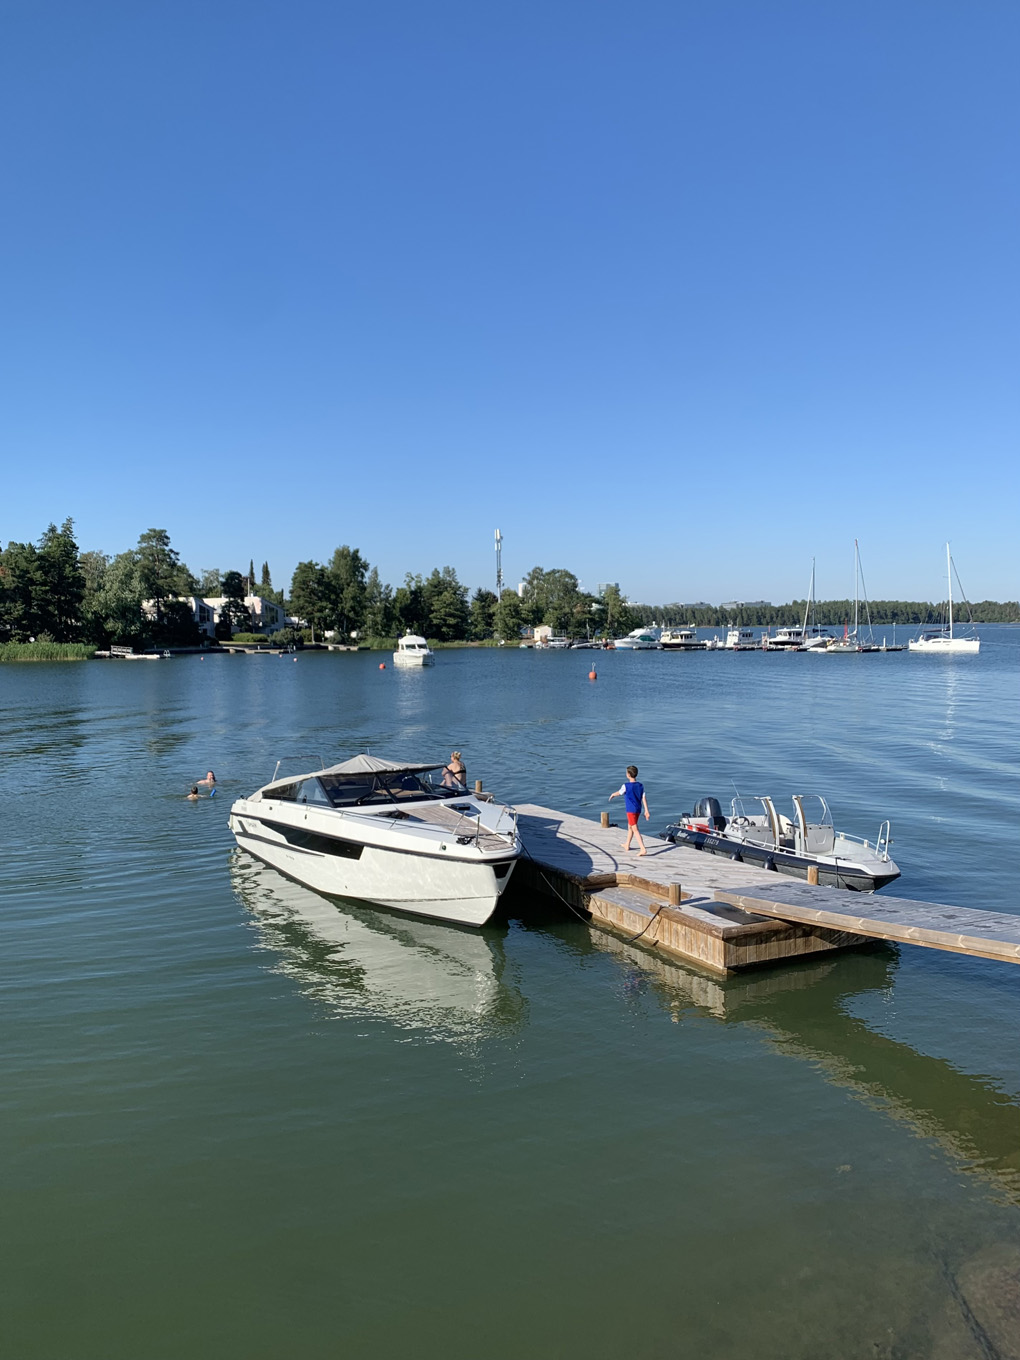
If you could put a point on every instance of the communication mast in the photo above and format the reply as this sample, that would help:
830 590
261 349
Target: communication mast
499 564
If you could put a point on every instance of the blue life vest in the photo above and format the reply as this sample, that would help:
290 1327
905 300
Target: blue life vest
633 792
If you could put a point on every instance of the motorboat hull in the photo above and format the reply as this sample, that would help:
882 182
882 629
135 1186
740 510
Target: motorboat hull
411 660
943 646
832 873
438 886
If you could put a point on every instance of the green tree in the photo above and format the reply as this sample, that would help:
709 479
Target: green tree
113 600
234 613
61 585
445 605
20 591
508 617
164 581
310 596
210 583
379 616
347 572
619 618
483 613
409 605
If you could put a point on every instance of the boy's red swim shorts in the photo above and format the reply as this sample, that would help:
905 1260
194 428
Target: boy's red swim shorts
632 818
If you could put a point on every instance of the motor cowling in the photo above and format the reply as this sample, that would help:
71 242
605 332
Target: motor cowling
708 810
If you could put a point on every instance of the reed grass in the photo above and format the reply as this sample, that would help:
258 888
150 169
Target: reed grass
46 651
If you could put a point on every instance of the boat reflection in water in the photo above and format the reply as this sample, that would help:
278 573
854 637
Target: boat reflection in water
356 960
807 1012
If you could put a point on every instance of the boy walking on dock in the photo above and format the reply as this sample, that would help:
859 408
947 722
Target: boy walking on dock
635 802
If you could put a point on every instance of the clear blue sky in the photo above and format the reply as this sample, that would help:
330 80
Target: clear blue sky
676 294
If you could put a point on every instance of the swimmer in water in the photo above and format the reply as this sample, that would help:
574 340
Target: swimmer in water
209 779
194 795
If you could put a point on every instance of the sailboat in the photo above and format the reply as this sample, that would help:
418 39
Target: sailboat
854 642
944 639
813 637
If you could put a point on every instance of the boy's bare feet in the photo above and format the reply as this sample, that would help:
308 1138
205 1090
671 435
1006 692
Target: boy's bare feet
642 852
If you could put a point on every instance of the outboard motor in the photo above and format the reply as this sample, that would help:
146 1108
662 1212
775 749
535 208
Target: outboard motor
708 810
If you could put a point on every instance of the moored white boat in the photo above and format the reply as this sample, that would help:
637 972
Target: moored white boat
945 639
757 833
640 640
413 651
386 832
741 640
681 640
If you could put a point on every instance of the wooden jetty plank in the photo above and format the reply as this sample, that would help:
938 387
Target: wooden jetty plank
628 894
585 863
581 849
958 930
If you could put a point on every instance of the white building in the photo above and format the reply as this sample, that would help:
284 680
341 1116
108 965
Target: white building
264 616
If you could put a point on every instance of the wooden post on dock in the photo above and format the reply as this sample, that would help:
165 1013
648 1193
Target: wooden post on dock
675 895
812 873
604 816
478 786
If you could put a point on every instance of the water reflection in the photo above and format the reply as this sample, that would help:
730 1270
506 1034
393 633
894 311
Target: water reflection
803 1010
435 979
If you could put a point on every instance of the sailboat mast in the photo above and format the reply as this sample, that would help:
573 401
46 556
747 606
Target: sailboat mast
857 573
949 580
809 605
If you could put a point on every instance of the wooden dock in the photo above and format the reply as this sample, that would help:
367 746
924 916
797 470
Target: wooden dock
728 916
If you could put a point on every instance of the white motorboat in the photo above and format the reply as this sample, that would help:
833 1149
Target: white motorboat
756 832
784 640
944 639
413 651
681 640
741 640
640 640
386 832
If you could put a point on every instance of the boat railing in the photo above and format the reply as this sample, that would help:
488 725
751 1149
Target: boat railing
883 840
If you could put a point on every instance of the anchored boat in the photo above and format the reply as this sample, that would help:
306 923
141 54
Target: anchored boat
387 832
756 832
413 651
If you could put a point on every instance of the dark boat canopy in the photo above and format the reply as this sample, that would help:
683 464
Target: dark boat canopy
363 764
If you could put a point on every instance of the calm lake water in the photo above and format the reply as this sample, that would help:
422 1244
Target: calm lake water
240 1120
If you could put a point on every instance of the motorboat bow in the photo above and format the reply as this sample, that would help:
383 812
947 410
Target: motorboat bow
397 834
756 832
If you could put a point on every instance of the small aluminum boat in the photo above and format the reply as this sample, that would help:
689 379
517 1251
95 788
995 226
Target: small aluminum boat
756 832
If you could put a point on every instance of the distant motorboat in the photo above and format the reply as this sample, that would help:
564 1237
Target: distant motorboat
741 640
640 640
681 640
943 639
413 651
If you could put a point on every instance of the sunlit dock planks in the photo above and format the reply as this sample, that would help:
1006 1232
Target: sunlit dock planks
728 916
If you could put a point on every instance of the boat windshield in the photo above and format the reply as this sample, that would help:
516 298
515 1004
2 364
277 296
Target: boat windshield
361 790
816 810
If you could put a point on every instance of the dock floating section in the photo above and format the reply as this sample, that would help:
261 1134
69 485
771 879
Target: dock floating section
728 916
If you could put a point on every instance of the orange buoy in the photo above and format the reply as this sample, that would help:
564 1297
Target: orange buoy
382 665
593 675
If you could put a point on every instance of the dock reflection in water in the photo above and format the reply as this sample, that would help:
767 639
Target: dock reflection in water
804 1010
437 979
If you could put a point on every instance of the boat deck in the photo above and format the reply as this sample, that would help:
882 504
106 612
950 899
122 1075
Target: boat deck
732 915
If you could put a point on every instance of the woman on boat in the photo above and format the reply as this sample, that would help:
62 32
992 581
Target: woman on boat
454 774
